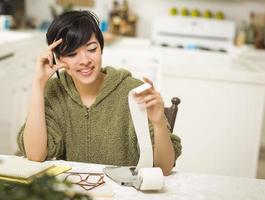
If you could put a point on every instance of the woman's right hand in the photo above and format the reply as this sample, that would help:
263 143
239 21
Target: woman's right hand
45 66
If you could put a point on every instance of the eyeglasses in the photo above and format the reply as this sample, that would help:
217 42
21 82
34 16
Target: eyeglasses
87 181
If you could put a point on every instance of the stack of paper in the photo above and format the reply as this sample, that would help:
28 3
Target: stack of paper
18 169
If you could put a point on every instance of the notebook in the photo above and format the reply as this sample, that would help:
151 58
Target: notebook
19 169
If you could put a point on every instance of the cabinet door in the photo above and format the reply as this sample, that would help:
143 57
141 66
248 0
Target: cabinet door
220 124
19 110
15 77
5 107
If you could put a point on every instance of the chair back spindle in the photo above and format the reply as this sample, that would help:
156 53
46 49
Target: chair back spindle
171 112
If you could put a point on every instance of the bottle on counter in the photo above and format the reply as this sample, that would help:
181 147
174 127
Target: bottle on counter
122 20
124 10
264 37
260 38
6 22
251 30
241 34
114 17
103 25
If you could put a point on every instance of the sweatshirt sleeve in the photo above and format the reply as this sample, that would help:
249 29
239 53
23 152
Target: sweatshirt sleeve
55 135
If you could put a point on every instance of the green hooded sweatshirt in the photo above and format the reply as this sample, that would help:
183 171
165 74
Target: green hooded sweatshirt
103 133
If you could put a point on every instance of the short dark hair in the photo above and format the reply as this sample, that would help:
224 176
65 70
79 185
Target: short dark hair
75 28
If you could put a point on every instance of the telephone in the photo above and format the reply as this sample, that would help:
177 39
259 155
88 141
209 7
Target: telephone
55 62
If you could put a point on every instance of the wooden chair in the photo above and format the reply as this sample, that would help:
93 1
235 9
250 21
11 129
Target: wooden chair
171 112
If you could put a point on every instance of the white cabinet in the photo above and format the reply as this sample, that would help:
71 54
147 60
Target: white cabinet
19 110
15 84
219 121
15 87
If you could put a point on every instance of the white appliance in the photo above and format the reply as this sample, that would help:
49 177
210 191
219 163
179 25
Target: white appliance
221 116
196 33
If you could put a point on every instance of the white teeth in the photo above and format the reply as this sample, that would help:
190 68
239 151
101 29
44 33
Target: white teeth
86 70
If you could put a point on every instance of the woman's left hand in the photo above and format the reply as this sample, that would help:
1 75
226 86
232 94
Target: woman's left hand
153 103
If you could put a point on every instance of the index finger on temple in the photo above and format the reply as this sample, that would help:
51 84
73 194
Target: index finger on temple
55 44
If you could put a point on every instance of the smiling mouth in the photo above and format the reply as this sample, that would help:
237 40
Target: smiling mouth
86 71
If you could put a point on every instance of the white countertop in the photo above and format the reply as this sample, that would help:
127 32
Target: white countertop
129 42
178 185
211 66
186 186
243 65
254 57
13 36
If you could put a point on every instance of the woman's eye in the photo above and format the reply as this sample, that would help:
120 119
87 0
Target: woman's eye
71 54
92 50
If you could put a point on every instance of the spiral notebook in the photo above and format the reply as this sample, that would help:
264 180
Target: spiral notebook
19 169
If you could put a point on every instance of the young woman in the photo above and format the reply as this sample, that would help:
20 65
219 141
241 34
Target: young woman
84 115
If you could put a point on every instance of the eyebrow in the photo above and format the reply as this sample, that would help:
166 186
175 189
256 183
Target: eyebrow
89 43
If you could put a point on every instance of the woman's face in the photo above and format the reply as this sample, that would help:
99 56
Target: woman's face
84 63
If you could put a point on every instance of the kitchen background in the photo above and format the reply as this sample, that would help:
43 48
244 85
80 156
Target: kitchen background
210 53
146 10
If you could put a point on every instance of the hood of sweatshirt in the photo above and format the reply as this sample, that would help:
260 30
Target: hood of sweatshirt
114 77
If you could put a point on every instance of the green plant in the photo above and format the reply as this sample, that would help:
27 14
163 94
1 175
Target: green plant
43 188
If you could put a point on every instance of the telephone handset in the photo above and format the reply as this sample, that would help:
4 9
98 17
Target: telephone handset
55 62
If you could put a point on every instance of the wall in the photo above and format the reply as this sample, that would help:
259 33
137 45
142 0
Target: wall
148 9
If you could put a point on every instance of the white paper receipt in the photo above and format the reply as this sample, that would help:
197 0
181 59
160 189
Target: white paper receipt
140 121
